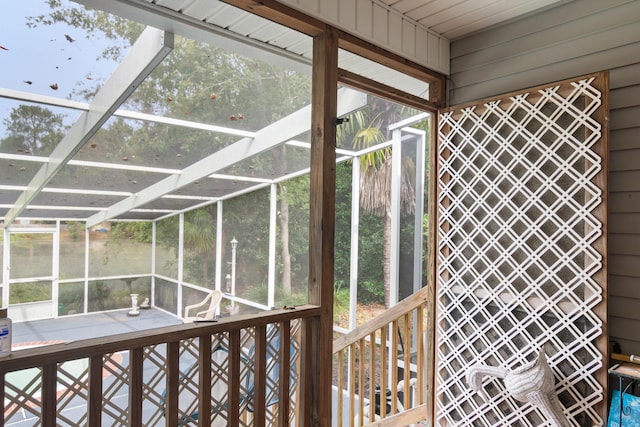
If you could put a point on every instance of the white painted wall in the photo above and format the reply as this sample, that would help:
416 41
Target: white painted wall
375 23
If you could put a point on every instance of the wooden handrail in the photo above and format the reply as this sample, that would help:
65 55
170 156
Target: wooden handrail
381 361
171 349
405 306
58 353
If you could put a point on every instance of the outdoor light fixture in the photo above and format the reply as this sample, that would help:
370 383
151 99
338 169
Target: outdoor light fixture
234 245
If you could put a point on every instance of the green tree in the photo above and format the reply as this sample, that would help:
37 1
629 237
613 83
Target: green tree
202 83
33 129
200 239
363 130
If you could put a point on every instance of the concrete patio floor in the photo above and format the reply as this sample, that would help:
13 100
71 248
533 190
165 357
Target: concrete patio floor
71 328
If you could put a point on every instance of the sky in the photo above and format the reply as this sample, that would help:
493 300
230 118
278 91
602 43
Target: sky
46 57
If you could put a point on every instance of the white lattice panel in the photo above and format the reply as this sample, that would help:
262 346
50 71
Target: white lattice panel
520 250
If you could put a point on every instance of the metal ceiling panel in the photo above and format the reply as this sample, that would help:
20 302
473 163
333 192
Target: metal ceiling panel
221 15
460 18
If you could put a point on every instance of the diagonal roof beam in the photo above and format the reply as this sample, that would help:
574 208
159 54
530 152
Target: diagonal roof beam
266 138
148 51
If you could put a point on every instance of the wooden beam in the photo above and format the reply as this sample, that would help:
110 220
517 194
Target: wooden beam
322 219
281 14
387 92
389 59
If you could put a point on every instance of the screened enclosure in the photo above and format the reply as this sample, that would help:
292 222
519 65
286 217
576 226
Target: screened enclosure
136 161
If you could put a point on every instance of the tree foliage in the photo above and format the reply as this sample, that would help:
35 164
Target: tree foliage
204 83
32 129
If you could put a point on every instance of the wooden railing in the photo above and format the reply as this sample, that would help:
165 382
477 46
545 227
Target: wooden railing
384 360
245 370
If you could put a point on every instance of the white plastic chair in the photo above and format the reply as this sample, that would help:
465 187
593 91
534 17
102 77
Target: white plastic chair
212 301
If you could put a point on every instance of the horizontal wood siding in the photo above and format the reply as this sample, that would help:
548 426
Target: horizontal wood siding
577 38
374 22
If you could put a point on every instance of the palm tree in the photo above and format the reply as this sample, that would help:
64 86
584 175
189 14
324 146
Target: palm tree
375 174
200 238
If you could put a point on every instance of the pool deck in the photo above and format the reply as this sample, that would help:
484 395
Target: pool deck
94 325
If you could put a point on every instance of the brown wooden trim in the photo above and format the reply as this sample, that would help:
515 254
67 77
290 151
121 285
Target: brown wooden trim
259 386
506 95
136 360
361 362
173 382
49 398
324 99
204 385
299 21
365 84
602 212
408 304
382 56
281 14
352 383
58 353
432 224
234 379
284 371
95 390
304 407
406 417
384 368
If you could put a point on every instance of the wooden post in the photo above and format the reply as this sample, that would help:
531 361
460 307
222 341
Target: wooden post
322 221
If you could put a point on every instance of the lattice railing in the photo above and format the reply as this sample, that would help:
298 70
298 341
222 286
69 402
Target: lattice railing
243 371
520 250
385 354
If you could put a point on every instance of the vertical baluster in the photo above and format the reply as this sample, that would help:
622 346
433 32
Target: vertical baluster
394 366
173 380
420 366
352 383
340 387
204 386
95 390
306 347
259 377
234 378
384 371
407 359
361 374
135 386
372 376
49 398
298 367
285 373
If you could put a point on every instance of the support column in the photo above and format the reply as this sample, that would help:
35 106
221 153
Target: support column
322 223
